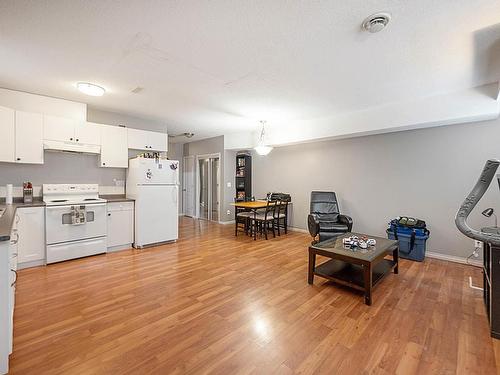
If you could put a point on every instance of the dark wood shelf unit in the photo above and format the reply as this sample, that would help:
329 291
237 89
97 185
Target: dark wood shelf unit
243 179
352 275
491 285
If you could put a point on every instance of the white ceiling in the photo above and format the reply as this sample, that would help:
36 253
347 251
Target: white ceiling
216 67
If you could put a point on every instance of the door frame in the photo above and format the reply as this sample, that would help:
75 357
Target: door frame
197 169
184 184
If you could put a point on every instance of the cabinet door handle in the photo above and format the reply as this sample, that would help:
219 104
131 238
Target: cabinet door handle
109 214
18 159
15 280
103 163
77 139
71 139
14 242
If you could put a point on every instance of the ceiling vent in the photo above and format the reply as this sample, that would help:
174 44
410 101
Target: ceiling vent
376 22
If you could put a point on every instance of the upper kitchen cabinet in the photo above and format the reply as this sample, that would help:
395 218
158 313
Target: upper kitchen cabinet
59 128
147 140
7 140
89 133
114 149
29 137
68 130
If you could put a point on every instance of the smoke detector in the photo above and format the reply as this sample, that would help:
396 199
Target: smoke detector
376 22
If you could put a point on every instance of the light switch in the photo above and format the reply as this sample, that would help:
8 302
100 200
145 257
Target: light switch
228 184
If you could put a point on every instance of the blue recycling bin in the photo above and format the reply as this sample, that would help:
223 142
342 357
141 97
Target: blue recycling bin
406 250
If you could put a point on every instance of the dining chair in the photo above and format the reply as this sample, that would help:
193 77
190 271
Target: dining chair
281 215
243 216
262 221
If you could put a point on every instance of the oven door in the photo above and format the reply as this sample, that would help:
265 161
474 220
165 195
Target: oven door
59 227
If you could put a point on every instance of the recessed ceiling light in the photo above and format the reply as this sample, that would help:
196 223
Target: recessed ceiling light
90 89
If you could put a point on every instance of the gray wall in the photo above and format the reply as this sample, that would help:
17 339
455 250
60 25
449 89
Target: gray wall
422 173
212 146
60 168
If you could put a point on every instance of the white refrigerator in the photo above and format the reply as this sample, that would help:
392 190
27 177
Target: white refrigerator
154 185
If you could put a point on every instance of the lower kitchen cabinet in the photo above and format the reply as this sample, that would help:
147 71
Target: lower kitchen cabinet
120 225
31 236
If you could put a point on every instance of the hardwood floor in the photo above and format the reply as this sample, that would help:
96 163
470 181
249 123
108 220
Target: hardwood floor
213 303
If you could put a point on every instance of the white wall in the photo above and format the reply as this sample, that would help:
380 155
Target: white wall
114 118
24 101
421 173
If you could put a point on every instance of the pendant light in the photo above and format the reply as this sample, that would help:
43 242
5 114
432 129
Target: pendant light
261 147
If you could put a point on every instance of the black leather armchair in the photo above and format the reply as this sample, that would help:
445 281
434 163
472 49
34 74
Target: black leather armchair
324 218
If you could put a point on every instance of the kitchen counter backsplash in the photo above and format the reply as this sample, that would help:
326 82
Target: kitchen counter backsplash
37 191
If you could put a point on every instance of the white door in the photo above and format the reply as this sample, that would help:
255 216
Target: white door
7 140
31 230
59 128
88 133
114 149
156 214
189 190
29 137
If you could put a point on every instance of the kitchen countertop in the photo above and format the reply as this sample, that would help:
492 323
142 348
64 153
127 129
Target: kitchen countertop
116 198
7 219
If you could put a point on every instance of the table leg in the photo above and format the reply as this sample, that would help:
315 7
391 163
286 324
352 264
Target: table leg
395 257
368 283
312 264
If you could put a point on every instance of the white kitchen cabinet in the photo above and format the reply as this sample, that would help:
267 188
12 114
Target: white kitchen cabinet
88 133
158 141
31 230
120 224
7 140
114 148
59 128
29 137
68 130
147 140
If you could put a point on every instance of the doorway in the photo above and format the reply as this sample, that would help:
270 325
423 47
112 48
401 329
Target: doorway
208 187
189 186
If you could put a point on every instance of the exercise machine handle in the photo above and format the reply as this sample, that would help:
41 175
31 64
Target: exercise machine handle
471 201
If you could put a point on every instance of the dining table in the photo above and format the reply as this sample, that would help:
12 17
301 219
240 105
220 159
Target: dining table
259 204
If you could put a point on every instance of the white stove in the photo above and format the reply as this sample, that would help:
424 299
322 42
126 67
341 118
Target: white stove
75 220
71 194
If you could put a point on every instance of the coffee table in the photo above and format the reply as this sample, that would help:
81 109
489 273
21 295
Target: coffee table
357 268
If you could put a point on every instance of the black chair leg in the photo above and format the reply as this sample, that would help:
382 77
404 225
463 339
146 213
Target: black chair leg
274 232
265 229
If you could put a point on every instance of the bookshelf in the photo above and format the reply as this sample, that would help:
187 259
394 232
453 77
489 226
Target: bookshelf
243 182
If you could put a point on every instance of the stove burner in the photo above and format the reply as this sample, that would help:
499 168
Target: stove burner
59 200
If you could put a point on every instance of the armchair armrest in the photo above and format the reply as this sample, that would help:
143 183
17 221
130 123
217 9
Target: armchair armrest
347 220
313 225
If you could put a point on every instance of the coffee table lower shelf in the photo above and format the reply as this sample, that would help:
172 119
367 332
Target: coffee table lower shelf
352 275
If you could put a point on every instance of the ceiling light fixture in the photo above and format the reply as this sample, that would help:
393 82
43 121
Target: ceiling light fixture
90 89
261 147
376 22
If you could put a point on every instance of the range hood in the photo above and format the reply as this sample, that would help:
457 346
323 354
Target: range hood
80 148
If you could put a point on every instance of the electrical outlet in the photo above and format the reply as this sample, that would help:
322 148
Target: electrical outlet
478 244
228 212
